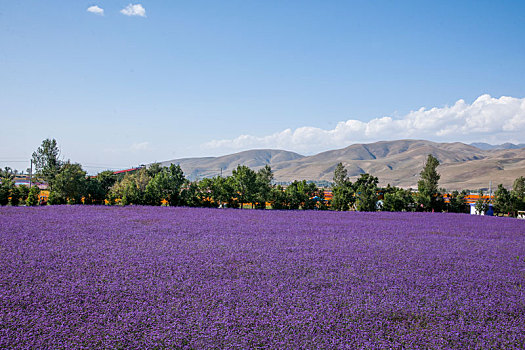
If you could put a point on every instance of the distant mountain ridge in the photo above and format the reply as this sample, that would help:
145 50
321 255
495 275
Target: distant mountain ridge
488 146
198 168
397 163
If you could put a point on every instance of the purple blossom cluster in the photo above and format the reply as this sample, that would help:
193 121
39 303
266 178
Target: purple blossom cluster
152 277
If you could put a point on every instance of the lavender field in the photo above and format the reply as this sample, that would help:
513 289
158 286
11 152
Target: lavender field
153 277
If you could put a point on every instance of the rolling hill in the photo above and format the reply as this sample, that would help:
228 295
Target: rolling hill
198 168
398 163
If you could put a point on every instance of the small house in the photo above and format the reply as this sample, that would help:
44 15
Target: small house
473 211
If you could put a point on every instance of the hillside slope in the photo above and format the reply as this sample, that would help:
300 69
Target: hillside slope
198 168
398 163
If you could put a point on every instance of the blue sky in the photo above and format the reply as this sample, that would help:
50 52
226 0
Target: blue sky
194 78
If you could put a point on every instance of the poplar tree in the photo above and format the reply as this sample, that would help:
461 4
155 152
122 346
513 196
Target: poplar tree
46 161
343 192
427 186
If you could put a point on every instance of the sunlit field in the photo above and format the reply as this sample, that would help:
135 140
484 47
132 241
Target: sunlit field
155 277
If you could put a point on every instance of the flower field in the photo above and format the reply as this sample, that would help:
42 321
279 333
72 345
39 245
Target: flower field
159 277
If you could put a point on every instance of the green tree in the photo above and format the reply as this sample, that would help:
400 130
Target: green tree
190 194
428 194
154 169
166 185
343 196
55 199
294 195
310 191
23 193
278 198
340 175
398 199
457 202
366 192
14 196
98 187
518 193
47 162
69 184
206 193
33 196
263 180
131 189
224 191
245 184
502 201
299 194
6 184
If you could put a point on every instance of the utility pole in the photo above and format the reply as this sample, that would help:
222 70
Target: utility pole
31 173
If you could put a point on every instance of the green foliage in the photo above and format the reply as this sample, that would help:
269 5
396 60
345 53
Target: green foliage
503 203
14 196
245 184
343 194
4 194
32 196
278 198
55 199
457 202
299 193
7 175
398 199
340 175
166 185
23 192
309 190
518 193
366 192
190 194
263 182
154 169
7 184
223 191
343 197
98 187
131 189
429 197
206 193
69 184
47 162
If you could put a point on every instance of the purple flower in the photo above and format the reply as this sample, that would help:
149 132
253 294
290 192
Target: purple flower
147 277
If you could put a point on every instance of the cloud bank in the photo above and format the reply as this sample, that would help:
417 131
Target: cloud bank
487 119
96 10
134 10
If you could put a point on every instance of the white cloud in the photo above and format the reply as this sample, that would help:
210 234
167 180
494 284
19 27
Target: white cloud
96 10
134 10
487 119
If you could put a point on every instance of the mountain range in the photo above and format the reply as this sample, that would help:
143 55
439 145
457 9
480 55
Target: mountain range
397 163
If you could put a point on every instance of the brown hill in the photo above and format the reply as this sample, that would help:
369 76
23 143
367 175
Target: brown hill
198 168
396 162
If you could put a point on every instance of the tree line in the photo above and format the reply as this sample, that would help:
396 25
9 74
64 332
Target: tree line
68 183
